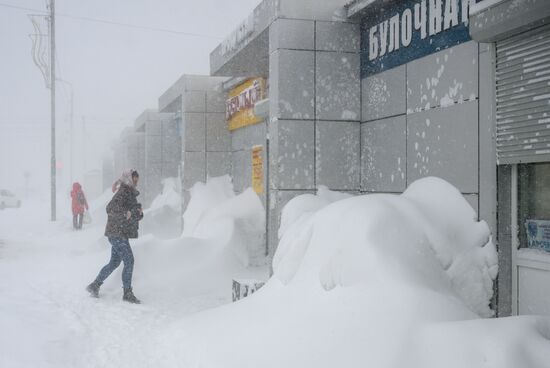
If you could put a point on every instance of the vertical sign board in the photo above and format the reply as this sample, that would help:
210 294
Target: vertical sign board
239 107
395 34
258 169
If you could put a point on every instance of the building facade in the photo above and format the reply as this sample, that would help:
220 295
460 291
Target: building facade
369 96
197 103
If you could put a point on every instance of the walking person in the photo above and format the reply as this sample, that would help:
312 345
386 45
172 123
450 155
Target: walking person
124 213
79 205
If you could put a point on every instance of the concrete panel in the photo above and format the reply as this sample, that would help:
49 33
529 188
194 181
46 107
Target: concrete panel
170 128
337 36
171 149
292 155
218 137
248 137
194 132
443 142
194 168
443 78
199 83
170 169
503 240
218 164
153 174
312 9
473 200
194 101
502 20
384 94
153 149
292 34
153 127
173 107
141 158
484 47
215 101
337 164
133 140
384 155
241 170
291 84
338 86
223 57
239 139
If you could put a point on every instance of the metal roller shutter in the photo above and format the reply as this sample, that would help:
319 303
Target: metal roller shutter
523 97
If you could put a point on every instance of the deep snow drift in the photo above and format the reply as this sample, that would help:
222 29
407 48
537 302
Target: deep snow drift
162 218
48 320
376 280
369 281
238 221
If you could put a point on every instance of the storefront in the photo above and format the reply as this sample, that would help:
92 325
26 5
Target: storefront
248 129
520 38
370 96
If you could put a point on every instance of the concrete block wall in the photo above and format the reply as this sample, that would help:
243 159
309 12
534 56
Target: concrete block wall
119 159
242 142
108 173
423 119
205 148
315 109
156 146
121 152
435 117
136 151
171 148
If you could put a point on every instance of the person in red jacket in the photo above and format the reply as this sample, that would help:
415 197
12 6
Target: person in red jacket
79 205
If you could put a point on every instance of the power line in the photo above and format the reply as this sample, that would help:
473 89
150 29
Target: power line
104 21
45 124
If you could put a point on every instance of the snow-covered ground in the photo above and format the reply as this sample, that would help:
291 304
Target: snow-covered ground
48 320
377 281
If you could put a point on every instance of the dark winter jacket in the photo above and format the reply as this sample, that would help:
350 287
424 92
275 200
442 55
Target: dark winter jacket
124 200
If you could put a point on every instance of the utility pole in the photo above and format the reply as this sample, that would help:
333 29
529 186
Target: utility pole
52 90
83 145
72 134
71 126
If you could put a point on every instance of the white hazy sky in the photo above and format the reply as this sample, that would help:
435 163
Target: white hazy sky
116 72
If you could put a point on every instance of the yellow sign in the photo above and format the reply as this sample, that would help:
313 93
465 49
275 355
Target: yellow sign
258 169
239 107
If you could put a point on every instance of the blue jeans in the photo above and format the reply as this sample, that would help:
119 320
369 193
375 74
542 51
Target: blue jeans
120 251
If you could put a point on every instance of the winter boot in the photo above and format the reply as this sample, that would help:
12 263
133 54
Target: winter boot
130 297
93 289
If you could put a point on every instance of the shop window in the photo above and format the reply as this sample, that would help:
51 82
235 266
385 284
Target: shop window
534 206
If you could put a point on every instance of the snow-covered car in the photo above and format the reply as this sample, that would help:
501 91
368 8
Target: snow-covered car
8 199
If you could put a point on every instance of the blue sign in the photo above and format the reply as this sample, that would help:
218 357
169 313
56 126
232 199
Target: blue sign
395 34
538 234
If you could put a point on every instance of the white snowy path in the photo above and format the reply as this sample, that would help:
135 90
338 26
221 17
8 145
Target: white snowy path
46 317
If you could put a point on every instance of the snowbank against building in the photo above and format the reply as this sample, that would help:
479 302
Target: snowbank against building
376 280
216 213
162 218
221 240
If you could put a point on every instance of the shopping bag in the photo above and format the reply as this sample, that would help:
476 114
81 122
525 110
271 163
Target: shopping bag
87 218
